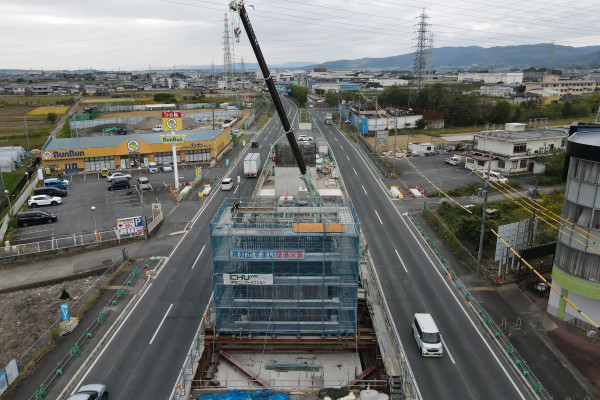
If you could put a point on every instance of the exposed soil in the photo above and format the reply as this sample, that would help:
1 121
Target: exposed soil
15 111
402 140
27 314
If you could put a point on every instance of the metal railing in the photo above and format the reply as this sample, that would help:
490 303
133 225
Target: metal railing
183 384
63 243
154 223
495 332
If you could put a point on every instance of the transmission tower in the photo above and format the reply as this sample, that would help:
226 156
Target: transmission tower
227 67
212 70
420 67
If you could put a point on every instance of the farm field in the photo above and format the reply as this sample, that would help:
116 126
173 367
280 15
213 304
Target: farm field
45 110
12 127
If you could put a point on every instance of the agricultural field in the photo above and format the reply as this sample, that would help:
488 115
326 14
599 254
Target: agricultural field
45 110
12 126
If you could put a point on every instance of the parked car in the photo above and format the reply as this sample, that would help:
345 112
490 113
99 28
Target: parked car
104 172
254 144
26 218
55 182
157 128
94 391
118 175
167 167
50 191
152 167
43 200
302 138
119 185
144 183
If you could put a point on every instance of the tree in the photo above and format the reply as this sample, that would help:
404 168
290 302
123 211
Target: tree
521 89
51 117
164 98
421 123
298 93
319 92
554 161
332 98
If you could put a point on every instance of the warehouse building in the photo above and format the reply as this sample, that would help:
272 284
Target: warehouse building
74 155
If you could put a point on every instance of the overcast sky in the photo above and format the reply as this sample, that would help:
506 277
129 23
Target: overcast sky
136 34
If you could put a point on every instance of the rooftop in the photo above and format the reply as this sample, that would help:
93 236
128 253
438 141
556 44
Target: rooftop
524 135
114 141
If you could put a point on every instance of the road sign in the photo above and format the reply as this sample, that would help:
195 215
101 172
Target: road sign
156 207
130 225
171 120
64 312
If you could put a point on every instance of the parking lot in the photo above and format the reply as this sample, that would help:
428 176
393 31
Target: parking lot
75 214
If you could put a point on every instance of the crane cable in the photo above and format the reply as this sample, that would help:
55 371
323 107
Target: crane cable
549 223
437 188
562 296
538 207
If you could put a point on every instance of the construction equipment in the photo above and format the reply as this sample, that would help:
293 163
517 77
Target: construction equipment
310 183
117 130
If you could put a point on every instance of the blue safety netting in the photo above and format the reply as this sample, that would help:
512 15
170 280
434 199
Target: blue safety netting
240 395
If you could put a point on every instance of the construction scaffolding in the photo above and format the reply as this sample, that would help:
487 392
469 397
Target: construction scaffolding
282 267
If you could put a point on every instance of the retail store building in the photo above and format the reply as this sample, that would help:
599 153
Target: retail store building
74 155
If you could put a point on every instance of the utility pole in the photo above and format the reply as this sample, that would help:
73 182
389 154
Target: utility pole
27 133
395 134
144 225
484 192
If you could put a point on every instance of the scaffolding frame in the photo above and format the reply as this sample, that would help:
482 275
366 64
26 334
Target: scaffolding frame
304 262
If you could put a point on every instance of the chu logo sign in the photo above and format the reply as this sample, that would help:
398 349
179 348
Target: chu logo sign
46 155
133 145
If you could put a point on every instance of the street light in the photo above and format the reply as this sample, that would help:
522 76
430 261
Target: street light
94 215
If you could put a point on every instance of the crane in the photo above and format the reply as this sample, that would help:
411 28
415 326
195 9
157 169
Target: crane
311 187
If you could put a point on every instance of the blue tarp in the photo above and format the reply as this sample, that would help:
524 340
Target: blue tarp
239 395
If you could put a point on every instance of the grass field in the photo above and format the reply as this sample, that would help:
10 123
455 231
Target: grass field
46 110
12 127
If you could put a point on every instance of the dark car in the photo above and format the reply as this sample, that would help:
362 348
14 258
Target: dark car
254 144
119 184
50 191
26 218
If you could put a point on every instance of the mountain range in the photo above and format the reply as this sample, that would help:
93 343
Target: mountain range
523 56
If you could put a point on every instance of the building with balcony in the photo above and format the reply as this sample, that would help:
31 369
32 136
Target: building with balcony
576 269
564 87
514 148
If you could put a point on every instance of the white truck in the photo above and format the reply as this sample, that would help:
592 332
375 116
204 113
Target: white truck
454 160
252 164
328 119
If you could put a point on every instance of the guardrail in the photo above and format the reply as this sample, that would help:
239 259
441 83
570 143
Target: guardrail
495 332
154 223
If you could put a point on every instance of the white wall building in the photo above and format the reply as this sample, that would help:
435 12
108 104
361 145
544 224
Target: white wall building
514 148
492 77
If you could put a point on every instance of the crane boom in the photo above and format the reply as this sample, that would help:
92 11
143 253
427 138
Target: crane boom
310 185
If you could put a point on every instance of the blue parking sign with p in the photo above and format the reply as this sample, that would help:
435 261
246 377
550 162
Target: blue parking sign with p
64 312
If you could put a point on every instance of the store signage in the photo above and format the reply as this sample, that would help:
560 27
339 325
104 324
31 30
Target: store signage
248 279
133 145
172 138
266 254
171 121
130 225
47 155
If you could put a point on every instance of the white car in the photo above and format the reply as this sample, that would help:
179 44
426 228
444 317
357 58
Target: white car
117 175
302 138
226 184
167 167
90 392
43 200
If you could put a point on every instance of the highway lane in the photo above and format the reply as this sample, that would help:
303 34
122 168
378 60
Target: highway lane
471 367
145 356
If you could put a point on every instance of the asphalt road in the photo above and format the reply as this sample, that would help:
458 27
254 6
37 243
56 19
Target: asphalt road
471 366
145 356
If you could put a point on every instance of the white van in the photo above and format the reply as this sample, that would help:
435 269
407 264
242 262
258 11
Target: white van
495 176
427 335
227 184
157 128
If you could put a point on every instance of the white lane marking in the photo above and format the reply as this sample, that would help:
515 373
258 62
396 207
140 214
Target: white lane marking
461 306
181 240
197 258
111 339
355 173
448 351
347 157
161 322
378 217
236 188
342 147
401 262
365 190
335 138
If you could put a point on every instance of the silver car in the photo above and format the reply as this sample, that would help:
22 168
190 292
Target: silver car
94 391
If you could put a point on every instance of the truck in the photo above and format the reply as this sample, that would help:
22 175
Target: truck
454 160
422 149
252 164
328 119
